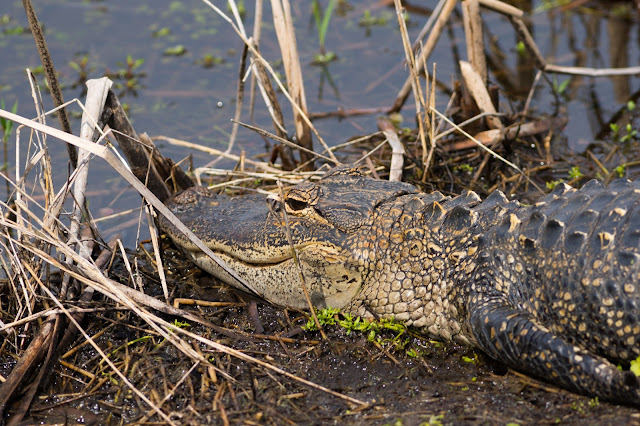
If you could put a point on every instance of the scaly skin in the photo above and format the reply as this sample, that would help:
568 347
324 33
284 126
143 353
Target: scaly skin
552 290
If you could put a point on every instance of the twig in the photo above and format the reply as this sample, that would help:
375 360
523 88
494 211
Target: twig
425 53
502 7
138 156
415 80
97 91
525 36
283 23
24 363
288 143
478 90
266 64
177 142
592 72
397 149
474 37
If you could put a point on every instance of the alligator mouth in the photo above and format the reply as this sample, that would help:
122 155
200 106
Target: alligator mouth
330 283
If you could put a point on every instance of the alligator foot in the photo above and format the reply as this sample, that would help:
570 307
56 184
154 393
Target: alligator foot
516 338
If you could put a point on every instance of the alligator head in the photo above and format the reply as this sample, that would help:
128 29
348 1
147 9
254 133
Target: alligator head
328 223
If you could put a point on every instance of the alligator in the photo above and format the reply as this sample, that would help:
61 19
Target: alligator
550 289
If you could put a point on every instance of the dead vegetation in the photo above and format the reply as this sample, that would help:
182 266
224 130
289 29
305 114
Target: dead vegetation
91 331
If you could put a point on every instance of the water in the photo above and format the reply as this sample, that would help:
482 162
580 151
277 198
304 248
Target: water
180 97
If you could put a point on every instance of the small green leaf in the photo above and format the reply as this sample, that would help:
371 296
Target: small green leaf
575 173
178 50
562 86
614 128
468 359
635 366
162 32
552 184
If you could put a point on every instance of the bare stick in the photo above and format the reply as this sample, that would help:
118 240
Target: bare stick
97 91
137 155
288 143
474 37
591 72
426 52
479 92
502 7
397 149
285 33
267 66
24 363
415 82
526 38
257 164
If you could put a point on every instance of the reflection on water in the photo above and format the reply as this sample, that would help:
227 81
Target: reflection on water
176 64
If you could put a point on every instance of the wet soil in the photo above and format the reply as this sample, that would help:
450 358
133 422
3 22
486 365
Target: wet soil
406 379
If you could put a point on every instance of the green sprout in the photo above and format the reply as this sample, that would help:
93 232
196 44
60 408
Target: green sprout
435 420
469 359
412 353
463 168
575 173
128 73
330 316
560 88
620 170
322 23
552 184
368 20
161 32
631 133
7 125
81 66
326 316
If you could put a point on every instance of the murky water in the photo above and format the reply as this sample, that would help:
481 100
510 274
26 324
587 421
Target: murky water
185 69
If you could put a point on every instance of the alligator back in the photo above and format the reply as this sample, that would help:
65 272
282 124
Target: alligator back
579 255
556 289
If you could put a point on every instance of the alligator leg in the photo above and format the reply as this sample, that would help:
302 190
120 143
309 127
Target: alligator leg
516 338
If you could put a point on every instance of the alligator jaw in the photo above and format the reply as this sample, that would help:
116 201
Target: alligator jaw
330 284
264 259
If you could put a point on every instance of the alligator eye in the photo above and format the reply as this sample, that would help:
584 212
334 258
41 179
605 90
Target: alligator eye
296 205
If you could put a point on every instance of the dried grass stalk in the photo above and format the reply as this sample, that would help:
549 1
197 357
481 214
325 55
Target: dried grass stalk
474 37
475 85
285 32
